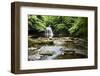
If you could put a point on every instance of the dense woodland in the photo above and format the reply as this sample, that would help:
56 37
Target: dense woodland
62 26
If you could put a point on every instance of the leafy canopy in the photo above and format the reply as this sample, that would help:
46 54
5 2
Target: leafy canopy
61 25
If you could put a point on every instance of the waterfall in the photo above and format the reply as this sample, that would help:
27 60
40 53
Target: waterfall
49 32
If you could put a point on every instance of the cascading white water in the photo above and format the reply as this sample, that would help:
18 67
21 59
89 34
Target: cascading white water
49 32
54 50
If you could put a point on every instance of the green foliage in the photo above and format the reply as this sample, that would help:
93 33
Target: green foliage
34 23
61 25
79 27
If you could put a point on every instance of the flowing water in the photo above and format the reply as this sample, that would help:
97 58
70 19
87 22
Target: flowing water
57 51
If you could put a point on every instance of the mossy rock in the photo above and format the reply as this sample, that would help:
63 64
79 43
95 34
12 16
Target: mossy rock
36 42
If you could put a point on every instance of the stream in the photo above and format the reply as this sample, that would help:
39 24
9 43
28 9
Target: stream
58 50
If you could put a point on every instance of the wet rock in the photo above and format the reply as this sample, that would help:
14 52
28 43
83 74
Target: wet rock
32 48
59 42
34 57
46 52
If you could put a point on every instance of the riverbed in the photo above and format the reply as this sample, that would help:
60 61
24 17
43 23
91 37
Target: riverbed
57 48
